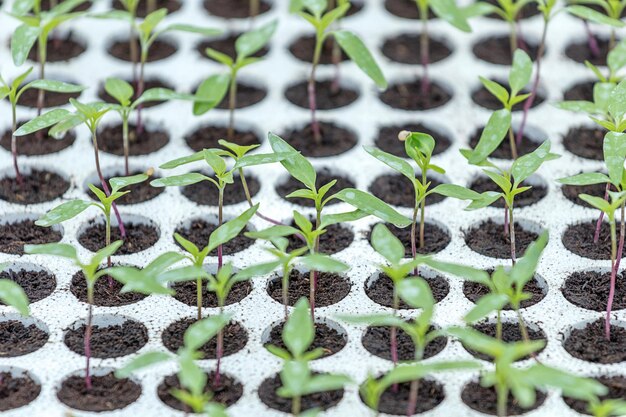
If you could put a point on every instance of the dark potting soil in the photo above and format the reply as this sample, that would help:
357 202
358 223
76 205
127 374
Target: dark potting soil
45 5
488 239
590 290
142 8
405 9
485 400
247 95
484 98
578 239
17 391
17 339
106 394
580 91
59 49
585 142
388 141
304 46
529 10
13 236
331 288
335 140
235 338
435 238
336 239
36 284
39 143
397 190
571 192
580 52
139 237
430 394
510 333
591 345
208 136
324 176
327 338
497 50
503 151
148 84
186 292
51 99
151 139
207 194
226 46
233 9
475 291
380 290
525 199
108 341
227 393
199 231
139 193
322 400
38 186
159 50
327 97
377 341
617 391
408 96
104 294
406 49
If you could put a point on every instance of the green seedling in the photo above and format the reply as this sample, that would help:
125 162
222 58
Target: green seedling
522 382
11 294
314 12
296 376
193 380
91 270
286 261
246 46
36 27
609 14
607 408
508 180
12 91
130 14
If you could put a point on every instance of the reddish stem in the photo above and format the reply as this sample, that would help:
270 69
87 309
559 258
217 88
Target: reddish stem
87 342
315 126
424 53
614 271
18 175
506 220
140 88
593 43
596 236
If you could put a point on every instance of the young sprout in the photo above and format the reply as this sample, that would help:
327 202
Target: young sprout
36 27
522 382
91 270
607 408
131 16
14 90
366 204
246 46
419 147
13 295
373 388
286 261
314 12
509 181
193 379
610 15
296 376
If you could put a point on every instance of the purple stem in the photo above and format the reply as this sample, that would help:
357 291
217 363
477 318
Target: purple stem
506 220
596 236
614 271
87 345
593 43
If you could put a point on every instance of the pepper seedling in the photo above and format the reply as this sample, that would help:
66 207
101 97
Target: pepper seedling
508 180
14 90
246 46
36 27
610 14
607 408
522 382
91 270
296 376
314 12
193 380
373 388
11 294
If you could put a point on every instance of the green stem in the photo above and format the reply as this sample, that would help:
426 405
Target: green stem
220 204
512 234
285 289
513 39
232 104
126 143
87 337
503 395
296 406
499 326
199 297
41 97
513 144
317 135
313 273
18 175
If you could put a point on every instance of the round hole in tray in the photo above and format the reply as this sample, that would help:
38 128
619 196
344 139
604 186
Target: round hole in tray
161 49
511 332
40 184
207 136
436 237
30 97
484 400
482 97
197 230
379 288
589 289
488 237
397 190
617 391
585 141
19 229
572 192
578 238
537 287
227 393
405 48
331 288
38 143
496 49
335 139
323 400
107 291
152 138
387 137
582 90
139 193
234 9
587 341
377 341
61 47
36 281
19 388
327 95
302 49
21 335
141 234
430 394
226 45
408 95
206 194
149 83
235 338
329 336
580 52
172 6
529 197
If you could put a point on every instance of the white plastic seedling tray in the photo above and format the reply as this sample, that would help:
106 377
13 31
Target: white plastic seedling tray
458 119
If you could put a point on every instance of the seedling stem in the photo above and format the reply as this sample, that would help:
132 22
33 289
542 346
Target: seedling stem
311 89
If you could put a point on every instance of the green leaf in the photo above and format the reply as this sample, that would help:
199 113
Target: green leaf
273 232
56 249
418 370
330 219
602 96
261 159
387 244
231 229
143 361
614 154
204 330
569 384
190 375
456 191
476 340
523 271
22 41
392 161
589 178
63 212
466 272
617 101
485 305
258 270
117 183
215 161
220 57
13 295
450 12
491 136
325 382
119 90
354 47
597 202
56 86
593 16
179 180
323 263
151 21
21 7
317 7
105 252
299 331
579 106
210 93
616 58
416 293
200 30
297 165
41 122
496 89
372 205
528 164
161 94
521 71
251 42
